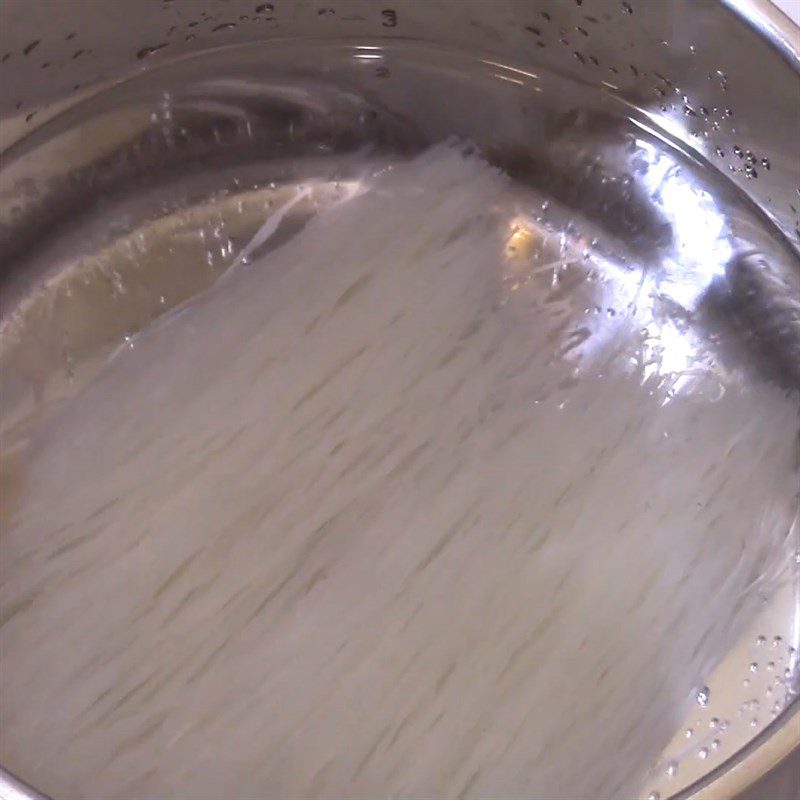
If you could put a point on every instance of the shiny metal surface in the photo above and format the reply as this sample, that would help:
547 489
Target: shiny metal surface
638 128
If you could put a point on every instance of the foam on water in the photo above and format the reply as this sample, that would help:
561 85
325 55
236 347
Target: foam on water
353 523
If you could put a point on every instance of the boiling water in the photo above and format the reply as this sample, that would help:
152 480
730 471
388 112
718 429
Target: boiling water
430 499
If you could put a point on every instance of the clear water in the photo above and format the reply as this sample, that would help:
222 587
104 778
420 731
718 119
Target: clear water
363 468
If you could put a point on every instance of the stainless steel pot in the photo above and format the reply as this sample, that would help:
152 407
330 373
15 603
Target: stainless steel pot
103 100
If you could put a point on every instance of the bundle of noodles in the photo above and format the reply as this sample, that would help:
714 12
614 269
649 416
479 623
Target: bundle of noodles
363 521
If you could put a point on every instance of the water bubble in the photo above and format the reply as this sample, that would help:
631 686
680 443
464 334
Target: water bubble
627 8
754 722
713 723
716 744
777 641
654 796
754 666
702 753
737 151
746 682
688 733
761 640
224 26
770 666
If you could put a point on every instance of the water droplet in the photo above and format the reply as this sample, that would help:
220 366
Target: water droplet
770 666
654 796
720 152
688 733
702 753
761 640
627 8
777 641
754 666
265 8
224 26
754 722
702 696
737 151
716 744
713 723
672 768
148 51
